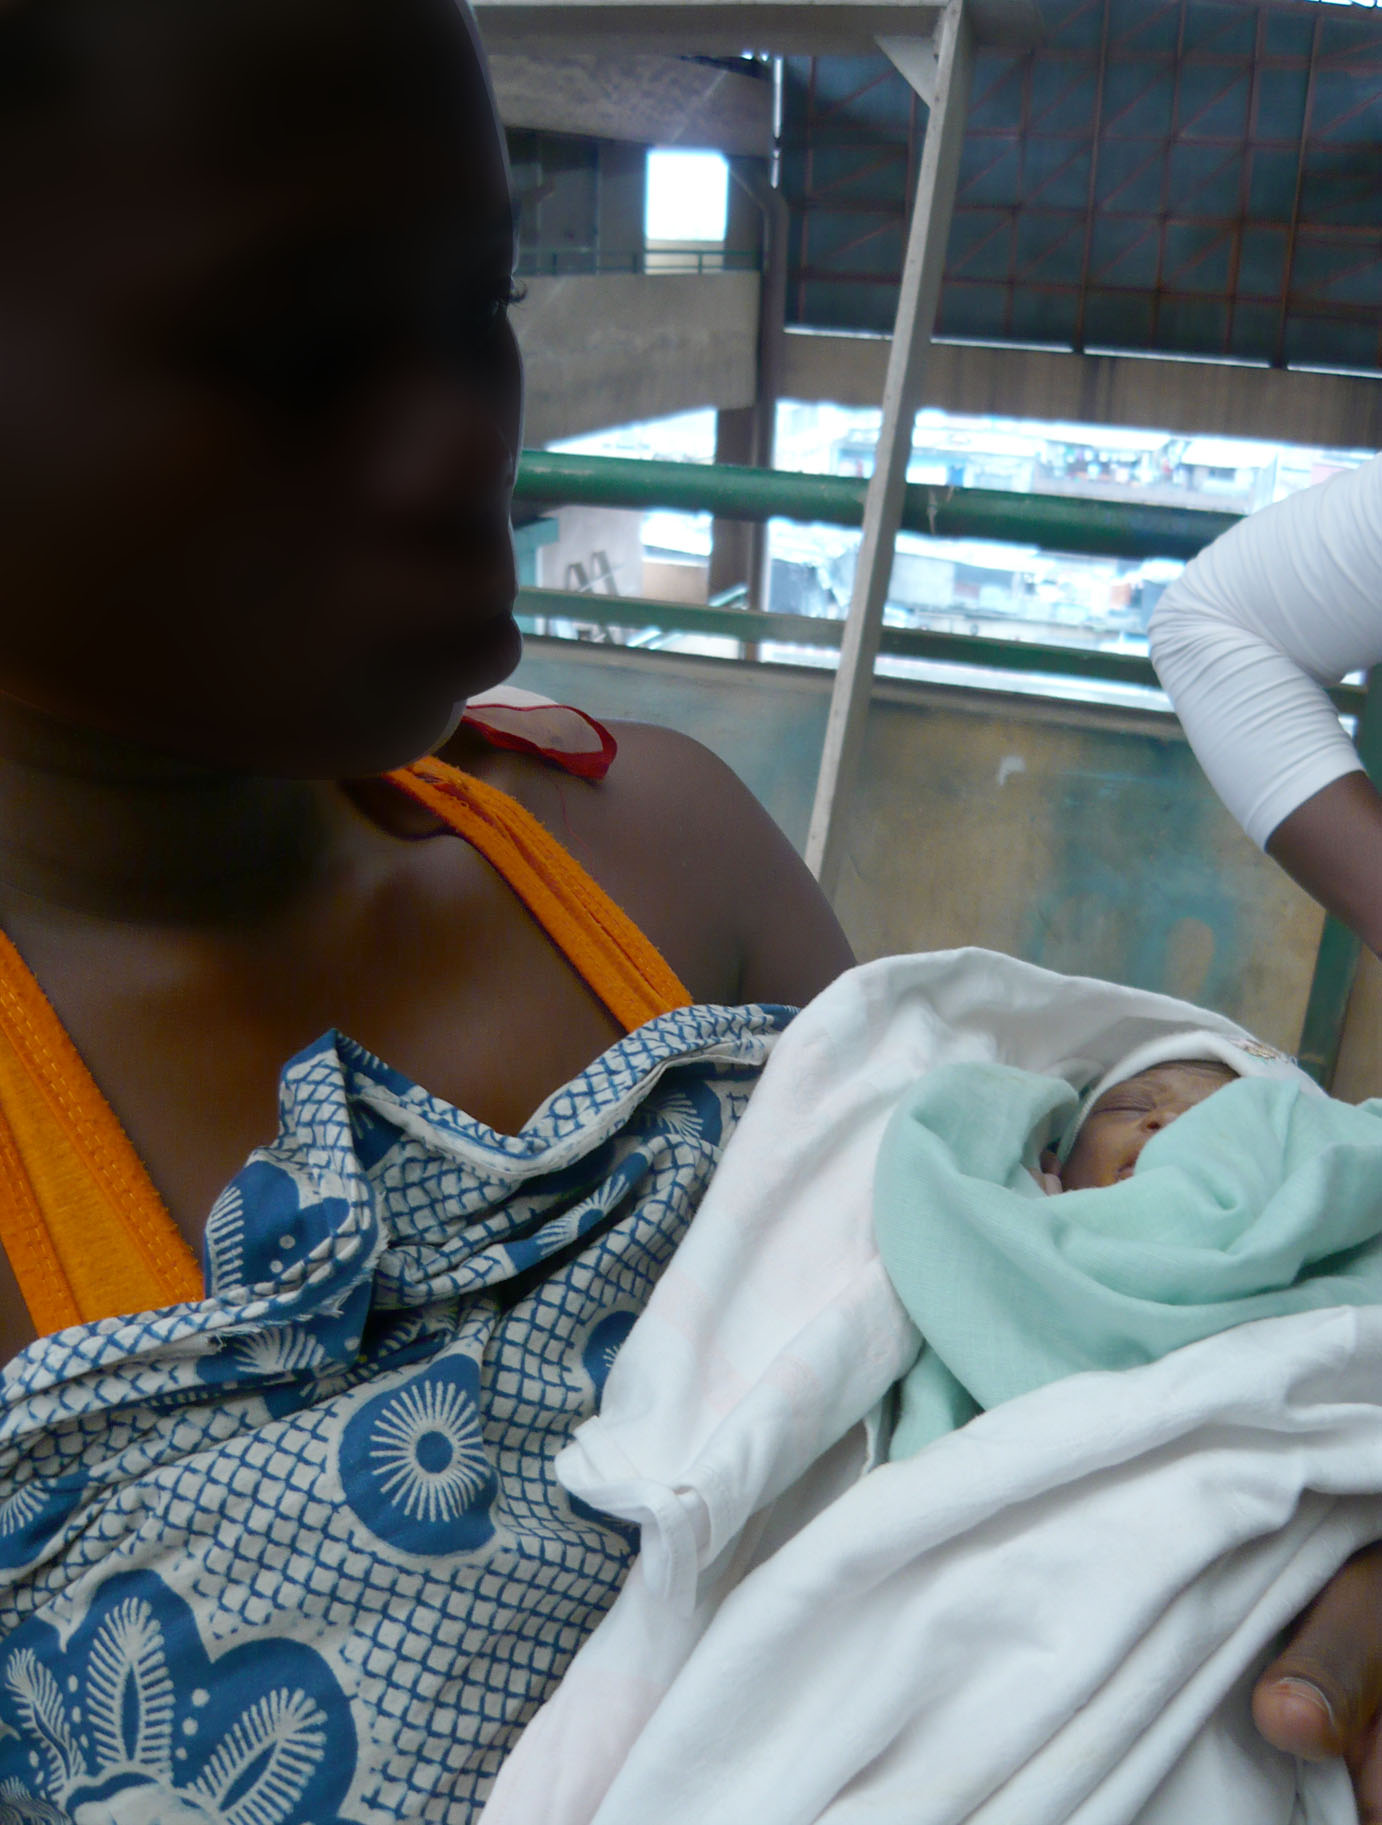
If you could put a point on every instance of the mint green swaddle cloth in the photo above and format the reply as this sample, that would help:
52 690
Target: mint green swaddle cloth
1259 1201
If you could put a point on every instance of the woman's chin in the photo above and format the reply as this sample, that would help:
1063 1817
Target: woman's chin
490 656
453 723
501 647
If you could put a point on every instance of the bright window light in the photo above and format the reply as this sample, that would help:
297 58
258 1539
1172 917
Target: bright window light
688 196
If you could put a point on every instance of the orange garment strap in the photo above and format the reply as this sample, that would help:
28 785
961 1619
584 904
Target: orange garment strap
602 944
86 1234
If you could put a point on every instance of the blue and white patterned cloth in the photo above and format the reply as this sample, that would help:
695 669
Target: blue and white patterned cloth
295 1555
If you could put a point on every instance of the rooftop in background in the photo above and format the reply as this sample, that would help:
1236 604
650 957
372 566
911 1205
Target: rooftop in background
1154 177
1197 178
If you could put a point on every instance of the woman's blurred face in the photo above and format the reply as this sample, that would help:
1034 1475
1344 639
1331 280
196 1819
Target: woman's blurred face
259 398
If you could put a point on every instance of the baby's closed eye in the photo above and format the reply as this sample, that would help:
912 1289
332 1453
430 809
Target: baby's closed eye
1130 1104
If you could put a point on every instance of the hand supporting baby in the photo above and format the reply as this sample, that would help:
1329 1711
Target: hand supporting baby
1322 1696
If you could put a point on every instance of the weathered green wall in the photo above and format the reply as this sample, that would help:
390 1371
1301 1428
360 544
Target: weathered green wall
1086 843
1082 839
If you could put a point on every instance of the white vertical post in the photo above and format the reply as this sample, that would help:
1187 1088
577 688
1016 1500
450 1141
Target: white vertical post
916 315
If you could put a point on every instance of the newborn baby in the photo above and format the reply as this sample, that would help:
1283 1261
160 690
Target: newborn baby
1124 1118
1191 1201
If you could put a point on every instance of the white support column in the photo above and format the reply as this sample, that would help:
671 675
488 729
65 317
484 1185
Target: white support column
916 315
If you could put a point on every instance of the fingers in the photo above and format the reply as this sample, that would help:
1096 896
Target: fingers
1322 1695
1365 1765
1294 1714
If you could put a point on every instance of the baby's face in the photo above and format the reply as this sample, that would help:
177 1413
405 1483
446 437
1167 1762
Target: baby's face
1126 1117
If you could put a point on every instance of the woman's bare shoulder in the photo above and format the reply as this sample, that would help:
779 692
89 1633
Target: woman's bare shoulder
677 839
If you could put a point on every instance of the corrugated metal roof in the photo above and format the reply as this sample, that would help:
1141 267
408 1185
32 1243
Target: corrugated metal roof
1201 177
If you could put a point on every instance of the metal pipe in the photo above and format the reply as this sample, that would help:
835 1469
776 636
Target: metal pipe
988 652
1052 522
1331 985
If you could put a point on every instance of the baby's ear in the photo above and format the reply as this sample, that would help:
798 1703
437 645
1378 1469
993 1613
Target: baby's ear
1049 1161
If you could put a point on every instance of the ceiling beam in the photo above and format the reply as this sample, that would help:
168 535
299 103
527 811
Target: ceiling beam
727 27
1194 397
640 96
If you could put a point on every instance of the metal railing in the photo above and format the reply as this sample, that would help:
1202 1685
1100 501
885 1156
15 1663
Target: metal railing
1055 523
984 652
566 259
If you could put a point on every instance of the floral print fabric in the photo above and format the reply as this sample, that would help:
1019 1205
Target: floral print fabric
295 1555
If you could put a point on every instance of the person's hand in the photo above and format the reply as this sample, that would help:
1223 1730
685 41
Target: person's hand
1322 1695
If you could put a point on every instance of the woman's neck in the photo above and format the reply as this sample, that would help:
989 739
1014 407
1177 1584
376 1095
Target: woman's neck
94 826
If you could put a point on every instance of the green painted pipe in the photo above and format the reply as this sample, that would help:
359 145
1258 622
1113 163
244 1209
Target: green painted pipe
987 651
1053 522
813 630
1336 964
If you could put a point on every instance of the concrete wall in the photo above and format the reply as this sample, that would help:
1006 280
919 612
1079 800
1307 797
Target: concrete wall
557 185
622 204
1082 839
1194 396
1088 844
669 580
617 348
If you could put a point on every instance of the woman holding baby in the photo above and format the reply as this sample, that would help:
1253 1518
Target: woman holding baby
260 411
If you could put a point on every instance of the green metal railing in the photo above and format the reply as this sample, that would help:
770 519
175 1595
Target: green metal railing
1053 523
984 650
988 652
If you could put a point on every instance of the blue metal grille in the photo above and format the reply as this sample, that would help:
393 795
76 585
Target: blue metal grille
1170 175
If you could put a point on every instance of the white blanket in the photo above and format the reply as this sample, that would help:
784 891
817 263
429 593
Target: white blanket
1053 1616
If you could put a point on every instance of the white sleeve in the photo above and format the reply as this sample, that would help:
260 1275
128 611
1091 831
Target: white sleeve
1287 601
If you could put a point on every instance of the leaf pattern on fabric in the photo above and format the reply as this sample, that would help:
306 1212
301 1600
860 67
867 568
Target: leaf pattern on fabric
319 1508
254 1736
130 1691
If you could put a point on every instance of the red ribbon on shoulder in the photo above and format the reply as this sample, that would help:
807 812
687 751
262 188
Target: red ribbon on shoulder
557 732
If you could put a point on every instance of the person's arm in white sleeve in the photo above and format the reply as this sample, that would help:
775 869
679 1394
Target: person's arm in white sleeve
1243 642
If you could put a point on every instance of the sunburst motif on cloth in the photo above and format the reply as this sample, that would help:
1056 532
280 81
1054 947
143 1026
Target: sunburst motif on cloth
429 1452
32 1512
17 1510
413 1463
603 1345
